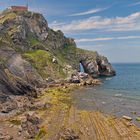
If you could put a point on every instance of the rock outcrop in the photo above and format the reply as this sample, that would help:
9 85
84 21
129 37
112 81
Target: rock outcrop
31 52
98 66
30 125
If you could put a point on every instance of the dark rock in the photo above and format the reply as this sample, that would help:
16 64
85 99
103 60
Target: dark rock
68 134
10 83
91 68
75 79
33 119
30 125
3 98
8 106
50 80
83 83
105 67
98 67
38 47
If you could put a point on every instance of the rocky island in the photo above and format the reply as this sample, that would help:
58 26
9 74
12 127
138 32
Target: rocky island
33 58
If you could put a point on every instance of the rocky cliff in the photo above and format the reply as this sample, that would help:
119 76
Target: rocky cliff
31 53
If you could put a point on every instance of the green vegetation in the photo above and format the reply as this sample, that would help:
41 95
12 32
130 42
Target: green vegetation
15 122
32 48
32 40
67 54
59 96
2 60
60 103
42 61
138 119
12 30
34 43
7 16
40 134
82 51
69 49
5 39
39 60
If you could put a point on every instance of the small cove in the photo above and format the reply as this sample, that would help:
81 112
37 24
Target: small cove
119 95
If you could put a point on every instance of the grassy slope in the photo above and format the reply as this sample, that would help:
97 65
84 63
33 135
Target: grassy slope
42 61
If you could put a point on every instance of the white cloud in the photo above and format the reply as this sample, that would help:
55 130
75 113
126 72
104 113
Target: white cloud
92 39
56 24
128 23
128 37
107 38
92 11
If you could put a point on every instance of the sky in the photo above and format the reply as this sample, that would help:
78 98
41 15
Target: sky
111 27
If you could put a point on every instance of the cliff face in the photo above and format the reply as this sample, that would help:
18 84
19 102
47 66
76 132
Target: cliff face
30 52
96 65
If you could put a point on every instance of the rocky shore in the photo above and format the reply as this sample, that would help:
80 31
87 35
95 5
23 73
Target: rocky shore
33 59
13 104
53 116
32 56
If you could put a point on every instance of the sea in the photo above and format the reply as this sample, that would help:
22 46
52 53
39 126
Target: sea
118 95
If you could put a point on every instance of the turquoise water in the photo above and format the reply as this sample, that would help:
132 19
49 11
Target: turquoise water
119 95
81 68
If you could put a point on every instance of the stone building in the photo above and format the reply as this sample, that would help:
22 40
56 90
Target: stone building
19 8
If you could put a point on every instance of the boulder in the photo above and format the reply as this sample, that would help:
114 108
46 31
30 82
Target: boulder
127 118
68 134
7 104
50 80
10 83
75 79
31 125
54 60
82 75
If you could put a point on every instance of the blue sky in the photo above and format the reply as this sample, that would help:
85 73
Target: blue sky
111 27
